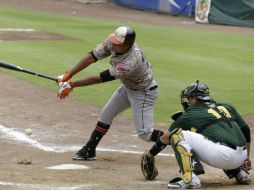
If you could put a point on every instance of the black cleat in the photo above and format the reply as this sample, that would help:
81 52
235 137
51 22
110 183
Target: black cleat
85 153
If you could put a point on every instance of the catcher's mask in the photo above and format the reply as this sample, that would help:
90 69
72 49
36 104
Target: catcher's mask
196 89
123 35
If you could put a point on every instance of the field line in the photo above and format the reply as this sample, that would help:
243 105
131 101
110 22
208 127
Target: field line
17 30
10 133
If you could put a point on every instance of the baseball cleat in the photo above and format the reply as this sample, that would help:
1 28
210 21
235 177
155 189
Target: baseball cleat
178 183
77 157
243 178
85 153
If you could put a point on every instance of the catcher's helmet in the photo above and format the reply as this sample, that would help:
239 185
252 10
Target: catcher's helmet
198 90
123 35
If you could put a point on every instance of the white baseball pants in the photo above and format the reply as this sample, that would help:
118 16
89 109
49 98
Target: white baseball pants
214 154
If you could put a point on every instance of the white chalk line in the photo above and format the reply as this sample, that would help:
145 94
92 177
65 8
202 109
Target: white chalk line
10 133
16 30
151 182
27 186
18 136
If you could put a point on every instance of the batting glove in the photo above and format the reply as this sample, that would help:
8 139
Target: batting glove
65 90
64 78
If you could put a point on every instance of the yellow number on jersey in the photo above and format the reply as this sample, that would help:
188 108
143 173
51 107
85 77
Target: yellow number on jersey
217 115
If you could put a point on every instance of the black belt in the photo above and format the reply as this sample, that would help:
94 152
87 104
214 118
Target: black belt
153 87
231 146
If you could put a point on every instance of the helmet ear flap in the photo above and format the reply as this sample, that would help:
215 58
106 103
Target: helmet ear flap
130 36
183 97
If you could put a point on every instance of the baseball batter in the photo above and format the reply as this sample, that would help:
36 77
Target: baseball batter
139 90
211 132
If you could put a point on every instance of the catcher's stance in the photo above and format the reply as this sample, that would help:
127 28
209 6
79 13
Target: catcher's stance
138 90
211 132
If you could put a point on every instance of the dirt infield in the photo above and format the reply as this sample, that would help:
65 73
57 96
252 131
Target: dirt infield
58 134
34 35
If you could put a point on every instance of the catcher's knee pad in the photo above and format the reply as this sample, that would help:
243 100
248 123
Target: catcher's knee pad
186 158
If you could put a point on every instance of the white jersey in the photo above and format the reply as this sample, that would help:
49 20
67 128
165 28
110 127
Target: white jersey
132 68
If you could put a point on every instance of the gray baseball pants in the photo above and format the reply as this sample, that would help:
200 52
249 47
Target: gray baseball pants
141 102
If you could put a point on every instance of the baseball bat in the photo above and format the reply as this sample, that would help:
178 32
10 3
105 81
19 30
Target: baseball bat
17 68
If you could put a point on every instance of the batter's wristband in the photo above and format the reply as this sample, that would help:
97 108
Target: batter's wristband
67 76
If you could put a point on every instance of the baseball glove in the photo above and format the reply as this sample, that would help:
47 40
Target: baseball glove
148 167
175 115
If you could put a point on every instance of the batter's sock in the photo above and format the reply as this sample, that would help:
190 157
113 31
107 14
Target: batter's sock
100 130
157 147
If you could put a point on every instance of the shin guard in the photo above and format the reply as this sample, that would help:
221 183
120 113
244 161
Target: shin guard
186 158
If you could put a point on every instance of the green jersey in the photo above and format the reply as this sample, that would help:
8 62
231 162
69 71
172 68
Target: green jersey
208 121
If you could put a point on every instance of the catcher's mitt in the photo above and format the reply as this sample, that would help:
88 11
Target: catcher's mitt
175 115
148 167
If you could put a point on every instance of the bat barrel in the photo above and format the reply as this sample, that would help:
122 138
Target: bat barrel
17 68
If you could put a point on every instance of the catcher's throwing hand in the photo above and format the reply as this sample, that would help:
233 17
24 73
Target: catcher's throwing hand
65 90
148 167
64 78
246 166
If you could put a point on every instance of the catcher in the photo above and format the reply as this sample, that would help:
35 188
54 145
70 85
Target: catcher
209 132
138 90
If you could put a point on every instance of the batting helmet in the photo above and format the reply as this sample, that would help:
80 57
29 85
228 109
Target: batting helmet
123 35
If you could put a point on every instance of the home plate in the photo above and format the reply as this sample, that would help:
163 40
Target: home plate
68 167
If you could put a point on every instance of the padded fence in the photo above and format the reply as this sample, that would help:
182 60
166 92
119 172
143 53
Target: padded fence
173 7
232 12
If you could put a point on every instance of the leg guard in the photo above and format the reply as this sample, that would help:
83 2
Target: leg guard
186 158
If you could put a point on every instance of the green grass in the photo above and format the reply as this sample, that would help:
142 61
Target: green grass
179 56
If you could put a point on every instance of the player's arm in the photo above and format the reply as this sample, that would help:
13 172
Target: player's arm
244 127
247 163
247 134
67 87
85 62
104 76
99 52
